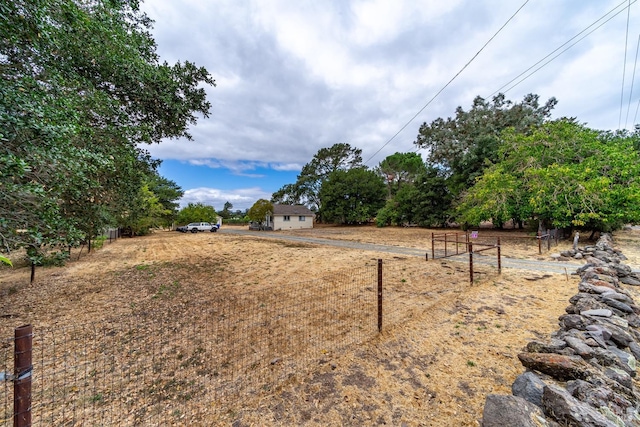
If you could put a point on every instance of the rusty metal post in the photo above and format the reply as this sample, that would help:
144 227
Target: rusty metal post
471 263
445 245
499 258
433 250
539 244
379 295
548 240
22 381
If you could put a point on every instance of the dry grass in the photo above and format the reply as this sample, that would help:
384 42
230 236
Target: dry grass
445 346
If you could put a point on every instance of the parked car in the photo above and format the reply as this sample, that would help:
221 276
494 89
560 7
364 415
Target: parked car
182 229
194 227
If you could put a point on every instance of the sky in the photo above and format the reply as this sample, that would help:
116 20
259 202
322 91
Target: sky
296 76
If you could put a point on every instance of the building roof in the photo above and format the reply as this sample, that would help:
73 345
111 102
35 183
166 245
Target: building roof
292 210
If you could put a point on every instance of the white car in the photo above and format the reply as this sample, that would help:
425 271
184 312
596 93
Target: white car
194 227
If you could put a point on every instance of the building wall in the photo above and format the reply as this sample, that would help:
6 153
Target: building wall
294 222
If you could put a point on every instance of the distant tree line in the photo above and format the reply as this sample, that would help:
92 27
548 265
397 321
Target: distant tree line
82 91
499 161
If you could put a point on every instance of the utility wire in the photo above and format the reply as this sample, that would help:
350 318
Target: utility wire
624 65
626 120
446 85
500 90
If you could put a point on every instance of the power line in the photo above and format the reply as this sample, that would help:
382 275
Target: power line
624 65
560 47
446 85
632 81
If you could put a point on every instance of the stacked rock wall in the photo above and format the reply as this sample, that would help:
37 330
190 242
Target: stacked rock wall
584 374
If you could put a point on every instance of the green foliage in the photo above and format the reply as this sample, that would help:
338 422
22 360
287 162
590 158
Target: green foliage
167 193
306 189
563 174
352 196
81 88
463 146
400 169
423 202
6 261
259 211
197 212
98 242
226 213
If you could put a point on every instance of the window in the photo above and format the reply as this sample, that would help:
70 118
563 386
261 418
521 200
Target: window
301 218
287 218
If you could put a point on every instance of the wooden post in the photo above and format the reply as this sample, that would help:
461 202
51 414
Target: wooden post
22 371
379 295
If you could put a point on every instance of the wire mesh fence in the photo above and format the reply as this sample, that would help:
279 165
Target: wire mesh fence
210 359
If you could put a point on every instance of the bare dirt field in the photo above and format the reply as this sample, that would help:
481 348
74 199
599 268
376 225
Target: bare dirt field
448 346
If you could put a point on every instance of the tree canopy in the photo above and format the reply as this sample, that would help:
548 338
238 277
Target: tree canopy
400 169
464 145
259 211
82 88
351 196
197 212
563 174
306 189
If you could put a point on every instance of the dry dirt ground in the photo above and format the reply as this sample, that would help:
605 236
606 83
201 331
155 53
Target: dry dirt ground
450 344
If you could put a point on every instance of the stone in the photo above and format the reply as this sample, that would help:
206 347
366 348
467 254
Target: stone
618 305
528 386
628 280
618 335
573 321
627 360
601 312
578 256
579 346
606 400
634 348
556 365
593 289
620 376
567 410
591 304
553 346
501 411
618 296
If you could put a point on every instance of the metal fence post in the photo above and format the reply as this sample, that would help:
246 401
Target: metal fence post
539 244
445 245
548 240
499 258
471 262
433 249
22 380
379 295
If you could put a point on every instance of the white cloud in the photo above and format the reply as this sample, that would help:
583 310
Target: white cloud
241 199
294 77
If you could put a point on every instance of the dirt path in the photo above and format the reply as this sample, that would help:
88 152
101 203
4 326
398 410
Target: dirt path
521 264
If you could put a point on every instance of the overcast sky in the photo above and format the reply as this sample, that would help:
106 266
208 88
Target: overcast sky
296 76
